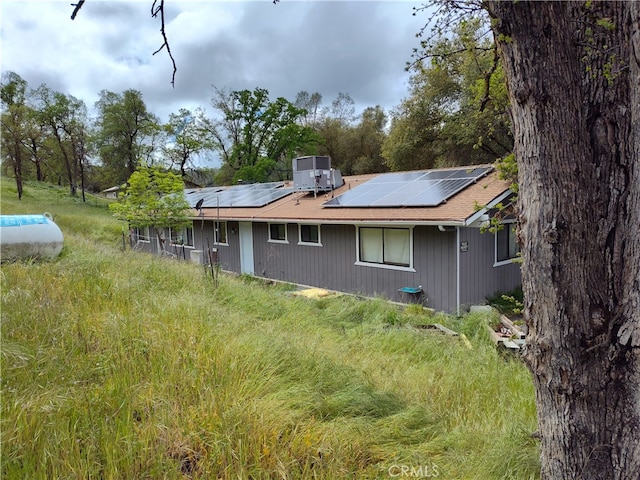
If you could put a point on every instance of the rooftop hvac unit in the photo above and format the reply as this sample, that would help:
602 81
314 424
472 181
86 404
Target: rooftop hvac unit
315 174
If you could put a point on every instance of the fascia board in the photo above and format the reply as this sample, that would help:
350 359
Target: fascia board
476 216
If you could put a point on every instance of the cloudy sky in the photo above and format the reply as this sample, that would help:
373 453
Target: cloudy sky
354 47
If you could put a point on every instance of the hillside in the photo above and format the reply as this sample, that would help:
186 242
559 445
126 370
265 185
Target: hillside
117 364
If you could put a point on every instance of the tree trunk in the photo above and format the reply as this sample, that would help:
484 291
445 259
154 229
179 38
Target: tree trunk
573 74
67 162
17 167
35 157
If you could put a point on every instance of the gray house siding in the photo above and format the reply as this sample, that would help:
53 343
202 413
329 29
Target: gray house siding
228 255
435 263
332 265
319 266
478 276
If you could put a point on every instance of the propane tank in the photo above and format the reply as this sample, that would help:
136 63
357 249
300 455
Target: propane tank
29 236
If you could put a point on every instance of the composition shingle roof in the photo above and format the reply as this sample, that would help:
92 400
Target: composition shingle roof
307 207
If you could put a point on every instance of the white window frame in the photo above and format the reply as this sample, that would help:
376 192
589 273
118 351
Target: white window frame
219 226
184 231
313 244
142 234
276 240
388 266
508 226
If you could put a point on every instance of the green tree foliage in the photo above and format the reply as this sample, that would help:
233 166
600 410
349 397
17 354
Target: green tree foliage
125 133
12 89
153 198
257 137
187 137
310 103
335 141
14 112
66 121
353 142
45 134
334 126
457 109
412 139
38 143
367 137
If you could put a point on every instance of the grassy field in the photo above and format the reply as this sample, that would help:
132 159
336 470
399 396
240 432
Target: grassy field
120 365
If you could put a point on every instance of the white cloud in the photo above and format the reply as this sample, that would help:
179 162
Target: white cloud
355 47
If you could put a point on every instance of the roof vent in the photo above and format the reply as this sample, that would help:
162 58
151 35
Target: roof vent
315 174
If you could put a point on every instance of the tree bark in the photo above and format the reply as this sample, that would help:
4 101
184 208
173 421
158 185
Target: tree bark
17 167
573 72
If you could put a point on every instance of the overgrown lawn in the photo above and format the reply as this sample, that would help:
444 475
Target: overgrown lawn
117 364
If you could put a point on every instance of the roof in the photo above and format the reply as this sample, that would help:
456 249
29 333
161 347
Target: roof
117 188
305 207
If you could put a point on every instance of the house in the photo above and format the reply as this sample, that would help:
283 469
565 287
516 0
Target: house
113 192
370 234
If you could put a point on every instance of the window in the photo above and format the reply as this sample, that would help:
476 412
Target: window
309 234
278 232
181 236
220 233
385 246
506 246
141 234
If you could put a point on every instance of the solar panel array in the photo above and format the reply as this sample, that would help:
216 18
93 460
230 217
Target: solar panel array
410 189
251 195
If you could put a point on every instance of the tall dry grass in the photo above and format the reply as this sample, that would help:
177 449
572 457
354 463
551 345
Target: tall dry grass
121 365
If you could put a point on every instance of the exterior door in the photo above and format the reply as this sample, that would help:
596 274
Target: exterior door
246 247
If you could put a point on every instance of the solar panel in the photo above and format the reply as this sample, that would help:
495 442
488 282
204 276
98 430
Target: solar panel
410 189
193 196
251 195
398 177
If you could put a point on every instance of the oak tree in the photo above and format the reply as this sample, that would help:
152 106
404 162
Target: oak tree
125 133
457 109
257 137
367 138
310 103
14 113
187 138
66 119
573 74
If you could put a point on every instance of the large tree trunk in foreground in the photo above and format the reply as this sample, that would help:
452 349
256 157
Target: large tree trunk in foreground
574 82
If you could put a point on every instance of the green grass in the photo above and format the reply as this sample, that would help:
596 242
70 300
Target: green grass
509 303
121 365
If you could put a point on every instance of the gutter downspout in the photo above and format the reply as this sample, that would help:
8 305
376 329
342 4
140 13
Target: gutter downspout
458 271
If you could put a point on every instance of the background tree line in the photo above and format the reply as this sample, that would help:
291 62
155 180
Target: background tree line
451 116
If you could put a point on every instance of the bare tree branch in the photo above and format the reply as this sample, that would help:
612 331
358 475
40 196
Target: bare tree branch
443 16
158 8
77 8
487 78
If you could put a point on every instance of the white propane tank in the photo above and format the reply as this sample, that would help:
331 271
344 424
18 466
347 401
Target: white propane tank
26 236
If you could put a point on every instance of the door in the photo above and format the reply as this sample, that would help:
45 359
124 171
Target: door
246 247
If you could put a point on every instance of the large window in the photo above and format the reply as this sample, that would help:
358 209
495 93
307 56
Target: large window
220 233
506 246
278 232
385 246
309 234
181 236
